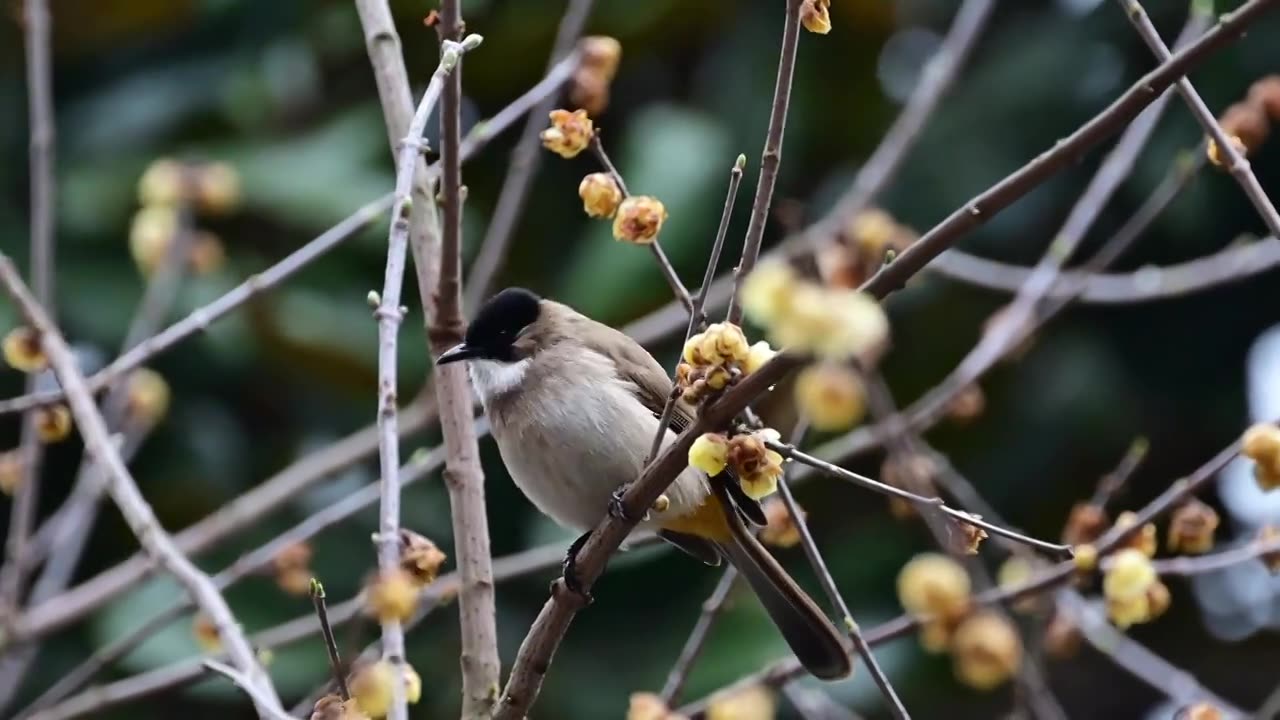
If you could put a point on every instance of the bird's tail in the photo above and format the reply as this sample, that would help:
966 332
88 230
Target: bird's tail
811 636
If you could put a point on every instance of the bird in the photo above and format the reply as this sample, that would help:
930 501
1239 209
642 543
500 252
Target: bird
574 406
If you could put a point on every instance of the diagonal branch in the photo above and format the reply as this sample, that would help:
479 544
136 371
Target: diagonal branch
124 491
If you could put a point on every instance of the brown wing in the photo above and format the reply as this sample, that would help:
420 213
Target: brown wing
653 386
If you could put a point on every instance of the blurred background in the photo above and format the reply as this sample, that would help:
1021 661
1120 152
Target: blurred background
282 92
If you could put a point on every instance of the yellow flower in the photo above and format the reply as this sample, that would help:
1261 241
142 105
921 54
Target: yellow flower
600 195
217 188
814 16
148 396
1129 575
934 584
23 351
152 232
1191 528
1141 608
164 182
647 706
412 685
709 453
420 558
10 471
782 530
371 688
1261 443
392 596
759 354
830 396
753 703
53 423
600 54
570 133
766 293
835 324
1144 539
333 707
1219 158
639 219
986 650
1085 557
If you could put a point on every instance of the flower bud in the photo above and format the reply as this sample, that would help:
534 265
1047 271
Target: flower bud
1085 524
391 596
1269 534
206 633
148 397
766 293
333 707
967 405
371 688
814 16
833 323
1203 710
217 188
986 650
1144 539
752 703
647 706
1141 608
420 558
600 54
1062 637
639 219
757 356
153 230
1265 94
1261 443
10 471
589 91
781 530
164 182
570 133
600 195
831 396
53 423
1130 574
1085 557
23 350
965 537
206 254
709 453
1191 528
1220 158
1247 122
932 584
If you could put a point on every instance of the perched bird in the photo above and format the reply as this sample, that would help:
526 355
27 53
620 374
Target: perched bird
574 406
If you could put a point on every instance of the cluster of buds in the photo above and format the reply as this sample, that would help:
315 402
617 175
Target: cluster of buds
1191 528
714 359
836 324
570 133
1144 540
1261 444
984 646
598 64
1133 591
372 688
1248 122
781 530
756 466
292 568
24 351
333 707
647 706
830 395
165 189
861 247
814 16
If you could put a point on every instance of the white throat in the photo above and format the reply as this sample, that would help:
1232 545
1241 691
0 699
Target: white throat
492 378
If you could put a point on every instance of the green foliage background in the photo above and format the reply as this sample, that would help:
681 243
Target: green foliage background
282 90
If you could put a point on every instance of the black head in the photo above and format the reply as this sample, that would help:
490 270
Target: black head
491 334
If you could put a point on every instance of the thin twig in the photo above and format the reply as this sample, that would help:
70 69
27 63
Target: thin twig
664 264
698 318
483 132
124 491
788 451
1234 161
896 708
390 315
711 608
463 475
330 644
1187 566
1114 481
770 159
1142 93
525 159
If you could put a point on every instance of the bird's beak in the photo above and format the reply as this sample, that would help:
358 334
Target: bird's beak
456 353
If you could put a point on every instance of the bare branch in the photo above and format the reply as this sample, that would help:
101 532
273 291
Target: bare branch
330 644
770 159
248 687
124 491
711 608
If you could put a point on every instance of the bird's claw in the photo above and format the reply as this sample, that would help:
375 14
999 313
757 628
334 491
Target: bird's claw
569 570
617 509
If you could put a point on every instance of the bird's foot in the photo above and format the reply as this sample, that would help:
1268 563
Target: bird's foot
569 569
619 510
